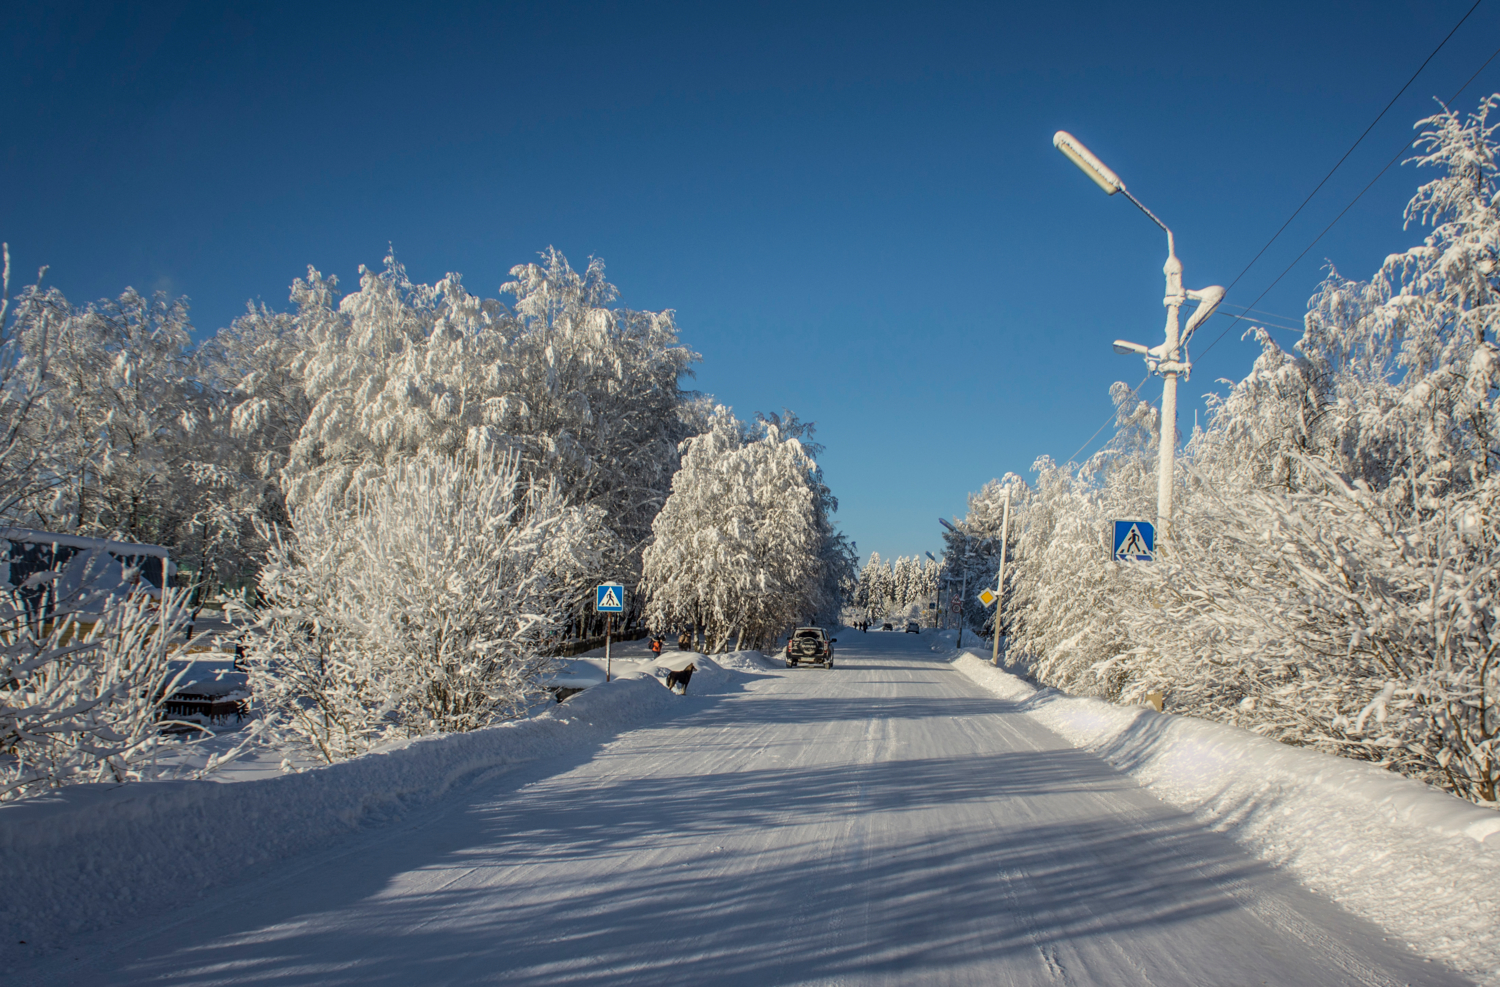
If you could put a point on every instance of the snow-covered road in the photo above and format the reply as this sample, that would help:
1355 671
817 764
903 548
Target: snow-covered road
884 822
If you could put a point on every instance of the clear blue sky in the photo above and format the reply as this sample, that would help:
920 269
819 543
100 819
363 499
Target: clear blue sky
855 210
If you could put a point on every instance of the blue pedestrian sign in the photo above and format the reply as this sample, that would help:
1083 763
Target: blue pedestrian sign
610 598
1135 541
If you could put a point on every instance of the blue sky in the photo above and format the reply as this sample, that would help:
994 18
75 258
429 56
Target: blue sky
855 210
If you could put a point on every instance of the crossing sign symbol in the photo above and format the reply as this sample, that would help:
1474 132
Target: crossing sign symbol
1135 541
610 598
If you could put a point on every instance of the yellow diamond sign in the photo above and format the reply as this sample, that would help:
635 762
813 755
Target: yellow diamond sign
988 597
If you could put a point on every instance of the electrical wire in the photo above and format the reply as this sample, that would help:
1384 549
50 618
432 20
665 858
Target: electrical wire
1402 150
1091 438
1404 147
1357 142
1268 315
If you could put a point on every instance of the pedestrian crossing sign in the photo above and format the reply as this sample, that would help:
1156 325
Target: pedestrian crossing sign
988 597
610 598
1135 541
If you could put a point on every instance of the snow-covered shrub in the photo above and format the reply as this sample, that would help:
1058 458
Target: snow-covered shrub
1339 619
80 701
417 600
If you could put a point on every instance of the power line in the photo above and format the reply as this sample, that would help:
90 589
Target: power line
1402 150
1357 142
1133 390
1269 315
1238 318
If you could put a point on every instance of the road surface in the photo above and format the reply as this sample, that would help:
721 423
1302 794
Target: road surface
884 822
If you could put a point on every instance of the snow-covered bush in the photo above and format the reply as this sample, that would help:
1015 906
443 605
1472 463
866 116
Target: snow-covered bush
416 600
1336 618
80 701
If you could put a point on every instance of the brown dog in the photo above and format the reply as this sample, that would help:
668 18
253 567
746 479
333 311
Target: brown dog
682 678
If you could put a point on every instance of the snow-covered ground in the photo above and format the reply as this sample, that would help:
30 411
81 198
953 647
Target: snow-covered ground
884 822
1422 864
91 856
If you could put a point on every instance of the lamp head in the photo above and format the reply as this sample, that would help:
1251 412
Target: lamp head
944 523
1085 160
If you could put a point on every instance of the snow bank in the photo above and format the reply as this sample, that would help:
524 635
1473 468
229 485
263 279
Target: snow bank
748 661
92 855
1422 864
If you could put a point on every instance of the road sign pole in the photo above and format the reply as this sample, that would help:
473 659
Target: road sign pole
609 599
1000 580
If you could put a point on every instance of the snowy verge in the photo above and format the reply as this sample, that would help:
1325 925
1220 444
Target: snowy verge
1422 864
93 855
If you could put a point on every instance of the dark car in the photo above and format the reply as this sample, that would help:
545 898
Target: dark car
912 627
886 626
809 644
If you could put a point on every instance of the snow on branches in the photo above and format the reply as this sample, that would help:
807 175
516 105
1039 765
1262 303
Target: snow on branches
899 589
421 483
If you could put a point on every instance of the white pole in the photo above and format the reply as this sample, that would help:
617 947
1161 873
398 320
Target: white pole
607 669
1167 457
1000 580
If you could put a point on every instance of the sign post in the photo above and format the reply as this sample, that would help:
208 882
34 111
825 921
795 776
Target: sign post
609 599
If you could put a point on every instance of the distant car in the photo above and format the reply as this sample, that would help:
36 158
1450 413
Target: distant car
810 644
886 626
912 627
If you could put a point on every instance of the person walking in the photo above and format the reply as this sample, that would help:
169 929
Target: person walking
656 645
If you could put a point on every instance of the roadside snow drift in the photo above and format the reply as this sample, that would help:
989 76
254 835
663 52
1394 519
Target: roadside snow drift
1422 864
92 855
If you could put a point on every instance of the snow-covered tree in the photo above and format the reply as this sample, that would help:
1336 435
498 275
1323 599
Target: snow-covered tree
33 416
736 545
870 589
837 557
587 396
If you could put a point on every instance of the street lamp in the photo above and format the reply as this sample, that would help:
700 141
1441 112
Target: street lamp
1169 359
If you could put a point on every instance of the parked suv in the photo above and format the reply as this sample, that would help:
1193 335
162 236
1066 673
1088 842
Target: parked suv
810 644
912 627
